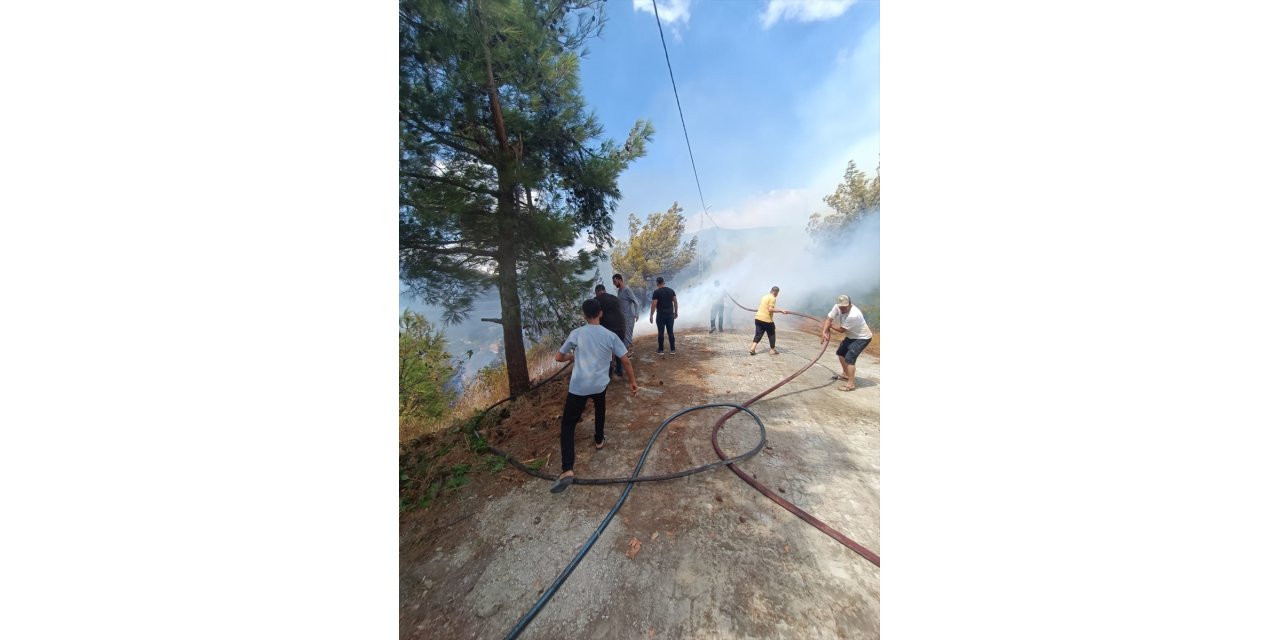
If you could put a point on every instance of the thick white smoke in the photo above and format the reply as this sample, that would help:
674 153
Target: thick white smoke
748 262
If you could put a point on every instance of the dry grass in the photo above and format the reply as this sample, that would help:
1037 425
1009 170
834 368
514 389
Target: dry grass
874 347
488 387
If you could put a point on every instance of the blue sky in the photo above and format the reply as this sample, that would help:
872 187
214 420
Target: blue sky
775 108
774 111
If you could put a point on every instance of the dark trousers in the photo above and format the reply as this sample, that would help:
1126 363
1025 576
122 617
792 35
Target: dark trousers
667 321
851 348
762 328
573 406
717 314
616 365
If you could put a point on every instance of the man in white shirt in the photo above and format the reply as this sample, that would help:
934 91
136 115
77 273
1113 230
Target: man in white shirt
847 319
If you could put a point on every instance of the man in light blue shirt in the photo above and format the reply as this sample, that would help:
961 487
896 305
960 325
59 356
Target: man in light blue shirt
591 348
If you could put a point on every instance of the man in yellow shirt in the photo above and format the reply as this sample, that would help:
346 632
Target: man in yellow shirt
764 320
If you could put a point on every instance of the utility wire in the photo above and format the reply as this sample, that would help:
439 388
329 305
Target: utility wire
681 110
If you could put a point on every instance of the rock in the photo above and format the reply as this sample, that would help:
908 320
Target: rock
486 609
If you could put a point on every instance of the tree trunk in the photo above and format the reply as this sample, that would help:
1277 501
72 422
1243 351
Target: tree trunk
508 293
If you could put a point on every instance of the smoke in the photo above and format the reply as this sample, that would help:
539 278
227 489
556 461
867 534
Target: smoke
472 344
748 262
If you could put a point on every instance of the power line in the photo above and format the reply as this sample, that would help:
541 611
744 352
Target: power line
681 110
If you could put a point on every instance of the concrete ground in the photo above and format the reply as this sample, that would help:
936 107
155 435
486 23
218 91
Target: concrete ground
704 556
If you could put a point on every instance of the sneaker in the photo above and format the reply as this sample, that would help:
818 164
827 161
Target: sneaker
673 349
660 351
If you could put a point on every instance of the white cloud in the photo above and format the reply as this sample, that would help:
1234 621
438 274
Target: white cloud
801 10
673 13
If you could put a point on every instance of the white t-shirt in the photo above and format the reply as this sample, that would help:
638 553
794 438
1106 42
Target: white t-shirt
594 347
854 324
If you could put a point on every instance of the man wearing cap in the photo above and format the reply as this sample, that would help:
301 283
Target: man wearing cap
847 319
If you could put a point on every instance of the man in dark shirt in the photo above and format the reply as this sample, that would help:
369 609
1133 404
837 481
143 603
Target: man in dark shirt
668 309
613 320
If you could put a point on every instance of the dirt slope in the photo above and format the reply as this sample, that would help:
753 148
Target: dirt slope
709 556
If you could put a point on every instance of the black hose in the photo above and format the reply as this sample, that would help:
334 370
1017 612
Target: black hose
573 564
601 481
635 477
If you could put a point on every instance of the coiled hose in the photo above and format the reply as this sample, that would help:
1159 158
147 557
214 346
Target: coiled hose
573 564
635 476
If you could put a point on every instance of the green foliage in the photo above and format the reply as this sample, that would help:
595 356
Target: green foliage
425 369
411 499
494 463
475 443
654 248
502 165
854 199
457 476
537 464
870 308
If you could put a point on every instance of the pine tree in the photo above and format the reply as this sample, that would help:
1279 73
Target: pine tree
654 248
502 166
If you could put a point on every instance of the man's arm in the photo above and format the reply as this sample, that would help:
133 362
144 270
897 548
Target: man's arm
825 334
620 350
631 374
675 307
568 345
653 308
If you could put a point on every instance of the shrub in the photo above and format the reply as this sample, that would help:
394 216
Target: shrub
425 369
